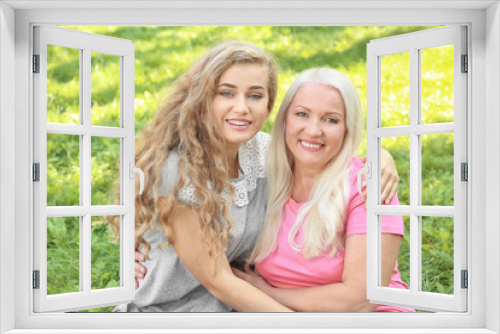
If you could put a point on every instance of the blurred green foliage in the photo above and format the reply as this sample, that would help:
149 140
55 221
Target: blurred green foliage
164 53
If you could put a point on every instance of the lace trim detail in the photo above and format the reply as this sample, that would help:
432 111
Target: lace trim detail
251 157
187 193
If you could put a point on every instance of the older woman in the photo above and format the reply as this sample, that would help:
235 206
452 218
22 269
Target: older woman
311 254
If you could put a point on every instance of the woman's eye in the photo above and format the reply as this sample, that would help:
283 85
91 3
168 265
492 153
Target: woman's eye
227 94
302 114
331 120
255 96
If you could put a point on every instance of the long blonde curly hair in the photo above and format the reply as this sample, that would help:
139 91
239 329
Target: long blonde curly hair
186 123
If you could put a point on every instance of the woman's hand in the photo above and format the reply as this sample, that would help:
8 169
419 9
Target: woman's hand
347 295
389 178
140 270
213 271
251 277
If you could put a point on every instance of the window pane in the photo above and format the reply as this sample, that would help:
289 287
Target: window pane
105 253
63 85
437 84
105 169
399 148
63 255
437 169
437 254
402 258
105 90
63 170
395 89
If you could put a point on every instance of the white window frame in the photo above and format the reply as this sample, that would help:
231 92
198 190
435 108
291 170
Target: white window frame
85 43
413 43
483 20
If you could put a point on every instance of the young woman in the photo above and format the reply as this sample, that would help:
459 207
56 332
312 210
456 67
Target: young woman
205 191
311 254
201 153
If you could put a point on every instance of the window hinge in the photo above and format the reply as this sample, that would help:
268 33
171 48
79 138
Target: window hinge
464 172
465 64
36 63
36 172
36 279
465 279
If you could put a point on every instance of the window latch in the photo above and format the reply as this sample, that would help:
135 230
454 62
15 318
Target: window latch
368 171
133 170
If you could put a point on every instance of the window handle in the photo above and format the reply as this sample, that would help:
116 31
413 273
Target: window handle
368 171
139 171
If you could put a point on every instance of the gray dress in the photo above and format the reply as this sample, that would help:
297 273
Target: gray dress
168 285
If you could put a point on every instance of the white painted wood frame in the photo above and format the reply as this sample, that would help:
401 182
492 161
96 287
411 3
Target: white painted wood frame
483 19
86 44
414 43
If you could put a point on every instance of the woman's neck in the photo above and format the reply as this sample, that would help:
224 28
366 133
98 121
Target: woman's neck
232 161
303 183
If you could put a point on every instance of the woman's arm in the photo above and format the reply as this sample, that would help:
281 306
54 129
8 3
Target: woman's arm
346 296
214 272
389 177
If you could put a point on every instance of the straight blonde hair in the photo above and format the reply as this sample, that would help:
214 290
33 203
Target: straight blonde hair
322 218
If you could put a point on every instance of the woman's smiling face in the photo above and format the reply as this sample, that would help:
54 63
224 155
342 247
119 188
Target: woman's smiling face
315 125
241 102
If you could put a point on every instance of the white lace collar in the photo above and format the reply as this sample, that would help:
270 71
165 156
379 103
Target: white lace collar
251 156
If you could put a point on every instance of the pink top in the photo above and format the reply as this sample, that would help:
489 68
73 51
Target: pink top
286 268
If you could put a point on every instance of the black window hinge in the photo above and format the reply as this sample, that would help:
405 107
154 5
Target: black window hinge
465 279
36 279
36 172
464 171
465 64
36 63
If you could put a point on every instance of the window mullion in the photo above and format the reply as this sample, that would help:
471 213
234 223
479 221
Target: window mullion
415 181
422 210
73 129
420 129
128 184
85 189
372 151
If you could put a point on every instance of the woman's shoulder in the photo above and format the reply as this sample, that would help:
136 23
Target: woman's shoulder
170 167
172 160
169 173
356 165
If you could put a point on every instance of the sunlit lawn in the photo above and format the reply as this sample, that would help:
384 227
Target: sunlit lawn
163 53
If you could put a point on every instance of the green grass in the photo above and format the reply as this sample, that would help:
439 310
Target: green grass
163 53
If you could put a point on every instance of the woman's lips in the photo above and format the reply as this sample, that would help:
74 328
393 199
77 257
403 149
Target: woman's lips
238 124
310 145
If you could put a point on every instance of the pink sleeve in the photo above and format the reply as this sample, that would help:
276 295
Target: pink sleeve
356 213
